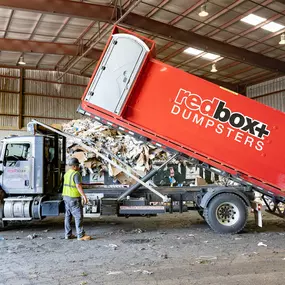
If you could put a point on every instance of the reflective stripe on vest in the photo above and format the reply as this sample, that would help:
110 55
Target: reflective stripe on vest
69 186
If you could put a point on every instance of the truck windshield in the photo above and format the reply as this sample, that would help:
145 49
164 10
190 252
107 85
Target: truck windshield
19 151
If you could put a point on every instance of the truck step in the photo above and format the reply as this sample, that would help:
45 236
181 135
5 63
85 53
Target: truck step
141 210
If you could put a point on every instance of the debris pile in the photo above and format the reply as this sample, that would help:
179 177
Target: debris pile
140 156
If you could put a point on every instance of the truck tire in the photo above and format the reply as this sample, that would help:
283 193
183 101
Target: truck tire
3 224
226 213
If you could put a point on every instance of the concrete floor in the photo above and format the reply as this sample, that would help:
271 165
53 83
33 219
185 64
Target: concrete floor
169 249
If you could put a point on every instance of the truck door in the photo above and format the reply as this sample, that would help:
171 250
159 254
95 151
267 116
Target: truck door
50 169
18 168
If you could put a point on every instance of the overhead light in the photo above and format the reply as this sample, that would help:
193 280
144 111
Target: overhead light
21 61
210 56
214 69
282 41
193 51
203 12
273 27
253 19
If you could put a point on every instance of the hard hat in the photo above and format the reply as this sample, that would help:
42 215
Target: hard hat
73 161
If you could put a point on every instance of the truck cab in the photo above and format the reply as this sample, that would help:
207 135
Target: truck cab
31 172
30 165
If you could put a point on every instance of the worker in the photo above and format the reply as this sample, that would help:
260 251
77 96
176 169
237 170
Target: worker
72 193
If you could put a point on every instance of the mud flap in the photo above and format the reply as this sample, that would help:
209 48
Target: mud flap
256 209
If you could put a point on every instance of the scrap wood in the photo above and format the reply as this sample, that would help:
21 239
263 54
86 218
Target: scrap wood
139 155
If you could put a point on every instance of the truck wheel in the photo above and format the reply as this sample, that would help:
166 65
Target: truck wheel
226 213
3 224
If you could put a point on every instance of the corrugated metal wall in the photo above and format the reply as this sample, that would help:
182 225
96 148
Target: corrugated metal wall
41 97
9 97
270 93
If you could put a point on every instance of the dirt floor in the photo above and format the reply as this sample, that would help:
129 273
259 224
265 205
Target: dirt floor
169 249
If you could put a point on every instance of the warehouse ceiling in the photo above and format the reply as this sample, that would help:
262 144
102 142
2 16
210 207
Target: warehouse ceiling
240 39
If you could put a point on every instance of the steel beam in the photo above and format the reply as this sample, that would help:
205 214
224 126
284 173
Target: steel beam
204 43
62 7
45 47
21 99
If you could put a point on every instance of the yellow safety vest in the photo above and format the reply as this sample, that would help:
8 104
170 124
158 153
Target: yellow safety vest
69 186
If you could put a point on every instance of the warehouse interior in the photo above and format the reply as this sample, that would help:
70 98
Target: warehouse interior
49 50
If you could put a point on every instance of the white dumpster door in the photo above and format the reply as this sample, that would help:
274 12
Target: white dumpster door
116 73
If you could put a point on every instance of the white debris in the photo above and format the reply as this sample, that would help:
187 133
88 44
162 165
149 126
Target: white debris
111 245
208 258
137 231
261 244
45 231
32 236
147 272
114 272
143 271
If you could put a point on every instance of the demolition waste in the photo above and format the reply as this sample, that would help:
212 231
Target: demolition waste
140 156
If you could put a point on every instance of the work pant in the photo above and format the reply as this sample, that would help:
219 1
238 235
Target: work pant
73 207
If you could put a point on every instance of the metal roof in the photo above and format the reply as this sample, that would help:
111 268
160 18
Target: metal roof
52 34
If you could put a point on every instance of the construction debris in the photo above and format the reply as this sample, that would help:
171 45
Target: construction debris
140 156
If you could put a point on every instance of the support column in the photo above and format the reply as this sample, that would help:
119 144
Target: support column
21 99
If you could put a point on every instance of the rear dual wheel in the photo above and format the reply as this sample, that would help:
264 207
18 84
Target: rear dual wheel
226 213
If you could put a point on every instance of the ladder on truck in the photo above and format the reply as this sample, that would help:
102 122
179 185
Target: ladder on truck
90 146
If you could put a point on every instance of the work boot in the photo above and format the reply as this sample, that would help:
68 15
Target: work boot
84 238
70 237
